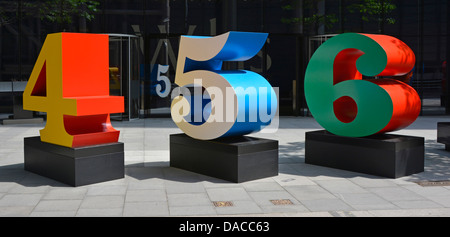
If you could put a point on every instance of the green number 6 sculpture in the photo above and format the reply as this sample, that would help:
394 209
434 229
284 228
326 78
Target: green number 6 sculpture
344 103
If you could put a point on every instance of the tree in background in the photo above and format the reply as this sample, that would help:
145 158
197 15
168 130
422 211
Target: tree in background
8 12
375 10
62 12
308 18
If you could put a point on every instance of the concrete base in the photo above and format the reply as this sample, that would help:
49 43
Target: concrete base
235 159
386 155
443 134
74 166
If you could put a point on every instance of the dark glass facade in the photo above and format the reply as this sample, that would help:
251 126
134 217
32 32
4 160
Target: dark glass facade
145 33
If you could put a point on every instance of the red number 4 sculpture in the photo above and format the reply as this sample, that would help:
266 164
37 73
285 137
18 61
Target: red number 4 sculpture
70 82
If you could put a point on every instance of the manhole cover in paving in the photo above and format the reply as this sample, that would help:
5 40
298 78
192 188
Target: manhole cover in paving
223 204
434 183
281 202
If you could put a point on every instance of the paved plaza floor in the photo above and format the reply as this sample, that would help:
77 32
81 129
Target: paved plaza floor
152 188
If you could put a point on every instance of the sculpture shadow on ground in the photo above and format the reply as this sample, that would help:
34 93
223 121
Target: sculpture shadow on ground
291 163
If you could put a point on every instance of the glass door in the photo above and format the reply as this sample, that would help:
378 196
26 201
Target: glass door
124 74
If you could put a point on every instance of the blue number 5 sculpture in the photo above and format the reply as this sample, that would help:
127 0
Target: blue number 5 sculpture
221 102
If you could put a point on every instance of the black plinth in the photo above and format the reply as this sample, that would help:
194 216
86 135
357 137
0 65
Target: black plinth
235 159
74 166
443 134
386 155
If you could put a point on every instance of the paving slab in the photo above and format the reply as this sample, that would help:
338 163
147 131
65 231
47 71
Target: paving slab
152 188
